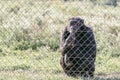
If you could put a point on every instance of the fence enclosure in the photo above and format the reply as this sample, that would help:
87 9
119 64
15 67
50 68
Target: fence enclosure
30 33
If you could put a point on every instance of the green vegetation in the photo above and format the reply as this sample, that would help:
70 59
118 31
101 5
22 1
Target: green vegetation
30 33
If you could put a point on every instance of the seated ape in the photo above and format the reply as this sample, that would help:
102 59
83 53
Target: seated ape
78 48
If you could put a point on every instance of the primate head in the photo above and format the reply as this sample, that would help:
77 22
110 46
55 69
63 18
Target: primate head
75 24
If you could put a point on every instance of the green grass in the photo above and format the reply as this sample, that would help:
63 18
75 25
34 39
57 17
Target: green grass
30 34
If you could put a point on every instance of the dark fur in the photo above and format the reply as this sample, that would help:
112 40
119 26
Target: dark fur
80 54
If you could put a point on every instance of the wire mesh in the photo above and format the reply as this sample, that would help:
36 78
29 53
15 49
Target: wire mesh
33 42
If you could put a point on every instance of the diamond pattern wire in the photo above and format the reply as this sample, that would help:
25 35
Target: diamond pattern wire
39 41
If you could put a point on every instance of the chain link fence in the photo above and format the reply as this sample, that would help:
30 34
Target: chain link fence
30 33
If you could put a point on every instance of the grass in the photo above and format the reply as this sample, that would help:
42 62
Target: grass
30 32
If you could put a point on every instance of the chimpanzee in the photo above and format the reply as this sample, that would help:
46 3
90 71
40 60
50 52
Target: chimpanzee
78 48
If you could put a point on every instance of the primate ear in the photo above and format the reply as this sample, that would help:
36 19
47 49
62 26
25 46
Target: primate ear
68 29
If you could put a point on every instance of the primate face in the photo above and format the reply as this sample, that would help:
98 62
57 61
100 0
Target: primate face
75 24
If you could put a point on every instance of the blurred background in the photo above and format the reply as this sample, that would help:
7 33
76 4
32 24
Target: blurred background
30 32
